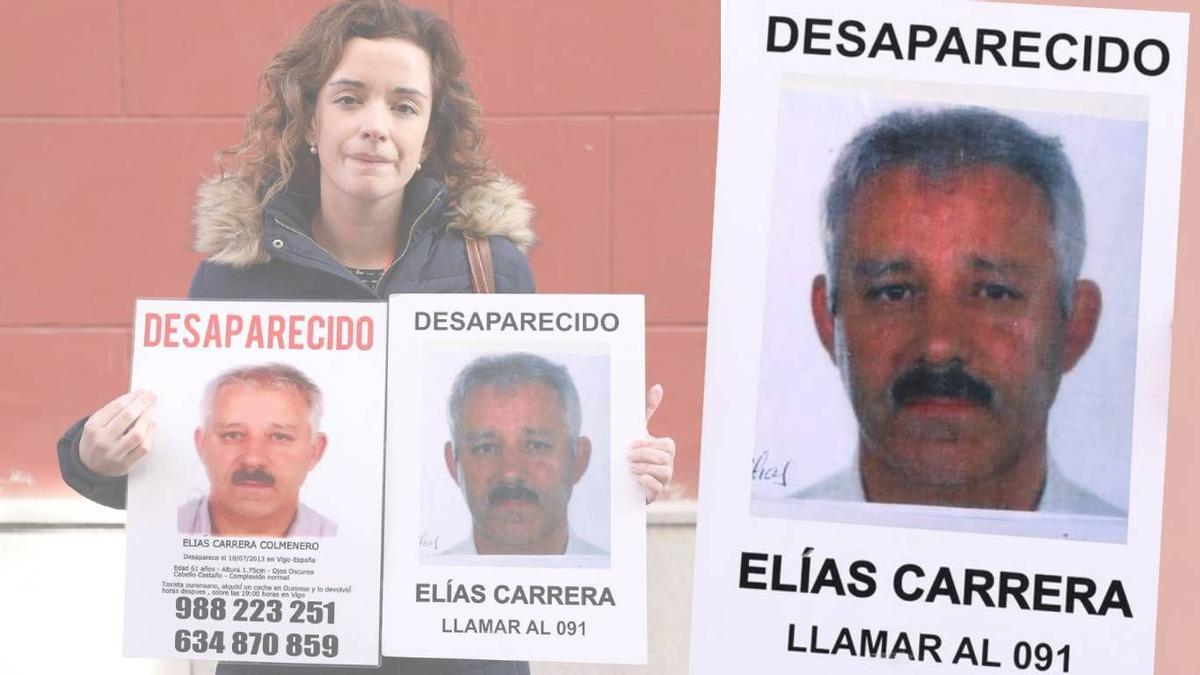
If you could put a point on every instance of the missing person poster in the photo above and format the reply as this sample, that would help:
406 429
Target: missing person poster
254 521
515 529
944 249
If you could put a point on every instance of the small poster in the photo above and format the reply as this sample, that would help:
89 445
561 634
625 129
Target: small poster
254 522
944 251
514 529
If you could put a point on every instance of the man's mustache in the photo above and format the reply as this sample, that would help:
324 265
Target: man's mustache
516 491
253 475
923 381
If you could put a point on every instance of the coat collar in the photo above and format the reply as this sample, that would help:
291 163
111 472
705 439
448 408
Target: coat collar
230 223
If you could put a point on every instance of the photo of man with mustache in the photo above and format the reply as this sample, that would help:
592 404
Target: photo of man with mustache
258 440
516 453
952 307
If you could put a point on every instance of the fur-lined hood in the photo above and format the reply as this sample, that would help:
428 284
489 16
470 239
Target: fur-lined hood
229 221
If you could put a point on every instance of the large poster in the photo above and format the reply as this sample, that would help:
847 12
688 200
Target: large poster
254 523
514 529
944 244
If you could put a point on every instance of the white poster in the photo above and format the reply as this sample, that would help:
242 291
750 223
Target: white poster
514 527
944 247
254 524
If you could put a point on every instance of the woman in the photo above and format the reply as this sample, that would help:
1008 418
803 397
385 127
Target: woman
360 175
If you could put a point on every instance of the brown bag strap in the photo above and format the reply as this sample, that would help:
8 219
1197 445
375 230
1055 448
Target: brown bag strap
479 255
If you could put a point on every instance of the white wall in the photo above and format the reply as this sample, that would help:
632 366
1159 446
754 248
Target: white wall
62 602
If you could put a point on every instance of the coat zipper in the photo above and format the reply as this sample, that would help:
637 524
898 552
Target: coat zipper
411 230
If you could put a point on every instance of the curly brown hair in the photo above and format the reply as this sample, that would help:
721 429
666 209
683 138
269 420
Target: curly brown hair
273 153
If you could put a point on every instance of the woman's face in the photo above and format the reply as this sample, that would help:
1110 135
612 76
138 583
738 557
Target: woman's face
370 120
